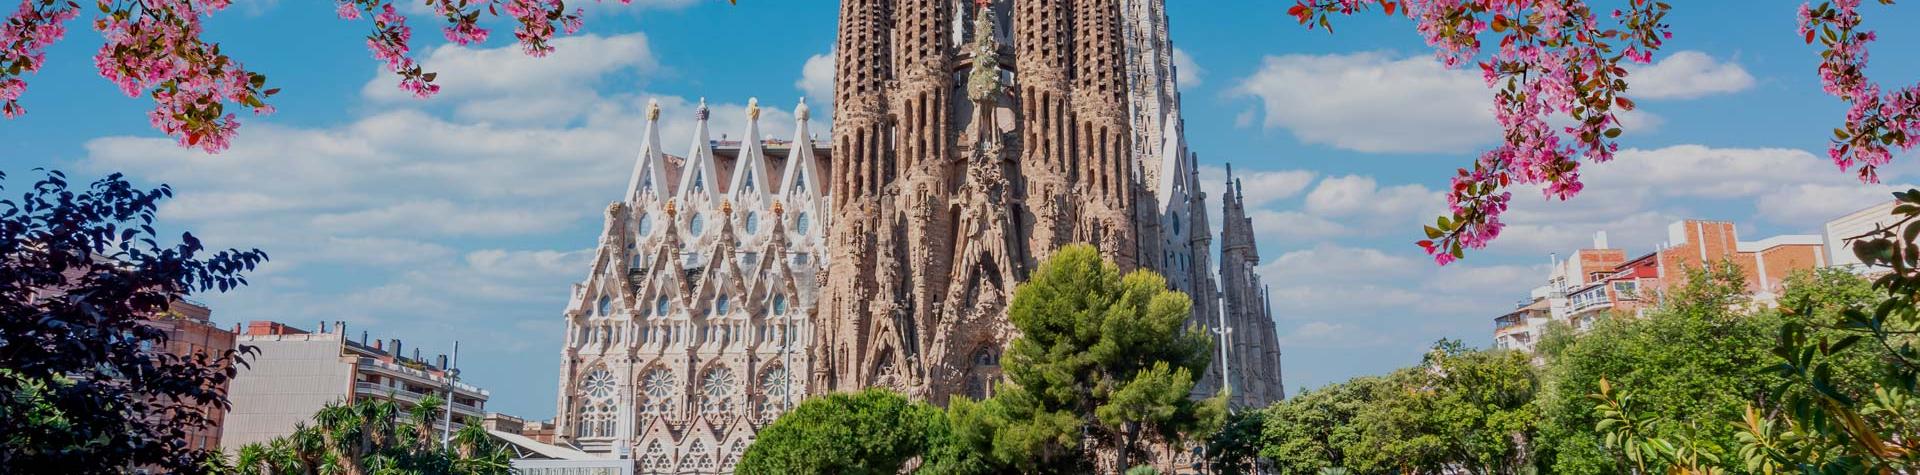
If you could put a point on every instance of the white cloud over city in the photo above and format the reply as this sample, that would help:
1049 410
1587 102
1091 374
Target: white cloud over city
445 212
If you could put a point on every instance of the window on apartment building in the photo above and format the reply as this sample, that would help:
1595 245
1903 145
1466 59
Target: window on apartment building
1626 289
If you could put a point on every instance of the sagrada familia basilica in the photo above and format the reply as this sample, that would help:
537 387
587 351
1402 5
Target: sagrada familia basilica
970 139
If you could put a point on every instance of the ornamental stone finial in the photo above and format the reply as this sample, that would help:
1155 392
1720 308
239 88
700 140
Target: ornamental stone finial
671 209
701 113
753 108
726 207
653 109
778 209
801 111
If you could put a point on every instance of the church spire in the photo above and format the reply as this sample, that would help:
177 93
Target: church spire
800 179
649 169
698 179
750 169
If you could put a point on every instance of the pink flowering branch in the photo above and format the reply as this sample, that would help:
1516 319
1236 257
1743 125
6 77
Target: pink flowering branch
154 47
1875 122
1552 59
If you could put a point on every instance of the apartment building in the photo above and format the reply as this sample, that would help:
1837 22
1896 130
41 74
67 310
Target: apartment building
190 331
1602 280
297 372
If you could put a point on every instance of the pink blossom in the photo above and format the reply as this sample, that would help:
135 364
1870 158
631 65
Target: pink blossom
348 11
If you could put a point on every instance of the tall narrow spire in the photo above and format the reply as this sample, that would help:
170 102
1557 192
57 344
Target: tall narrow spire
697 180
750 168
649 169
801 179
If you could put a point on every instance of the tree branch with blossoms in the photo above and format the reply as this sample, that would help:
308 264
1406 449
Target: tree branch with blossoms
1875 122
1552 60
155 48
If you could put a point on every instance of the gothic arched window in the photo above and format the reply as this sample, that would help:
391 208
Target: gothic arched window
645 224
720 305
717 389
774 385
659 390
661 306
800 222
698 223
780 304
753 222
605 307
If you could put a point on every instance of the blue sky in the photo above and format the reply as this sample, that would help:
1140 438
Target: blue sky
468 215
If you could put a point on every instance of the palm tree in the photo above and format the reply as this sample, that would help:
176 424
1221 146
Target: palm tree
373 438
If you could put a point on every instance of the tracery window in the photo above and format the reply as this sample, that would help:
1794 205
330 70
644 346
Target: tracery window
606 306
655 459
698 457
720 304
717 389
753 222
659 388
774 385
661 306
779 304
599 384
800 222
596 420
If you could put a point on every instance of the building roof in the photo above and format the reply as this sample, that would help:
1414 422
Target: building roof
542 450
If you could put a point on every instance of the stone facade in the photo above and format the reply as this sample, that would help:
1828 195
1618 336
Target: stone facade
887 256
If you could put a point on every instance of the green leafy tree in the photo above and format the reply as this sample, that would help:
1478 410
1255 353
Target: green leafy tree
1313 429
1482 407
1690 360
82 275
876 431
376 438
1459 411
1823 417
1102 356
1235 448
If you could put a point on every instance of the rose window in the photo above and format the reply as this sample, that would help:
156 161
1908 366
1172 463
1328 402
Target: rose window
717 389
658 385
599 384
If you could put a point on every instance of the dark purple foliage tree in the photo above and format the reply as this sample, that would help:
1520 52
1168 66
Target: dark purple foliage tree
84 387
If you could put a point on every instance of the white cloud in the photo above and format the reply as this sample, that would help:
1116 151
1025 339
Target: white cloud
441 217
382 251
1357 195
1372 102
1187 72
1331 335
503 83
1708 172
1687 75
1808 205
816 80
1262 186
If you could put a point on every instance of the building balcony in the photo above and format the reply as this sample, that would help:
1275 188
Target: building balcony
421 376
376 390
1593 305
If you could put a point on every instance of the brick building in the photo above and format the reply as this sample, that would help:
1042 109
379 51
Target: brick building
190 332
1601 280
